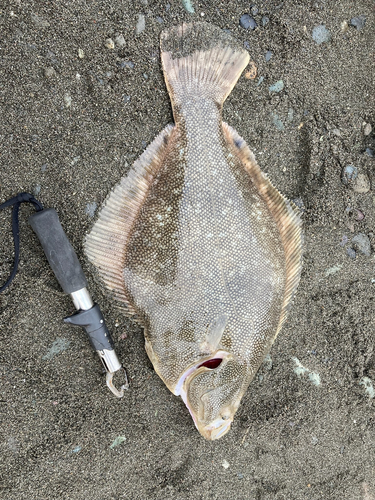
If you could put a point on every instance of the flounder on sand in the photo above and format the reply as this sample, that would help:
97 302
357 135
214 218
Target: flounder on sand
195 240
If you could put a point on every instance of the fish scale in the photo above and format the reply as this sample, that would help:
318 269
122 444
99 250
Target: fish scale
197 242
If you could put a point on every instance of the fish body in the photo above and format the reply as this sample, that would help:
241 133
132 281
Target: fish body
197 242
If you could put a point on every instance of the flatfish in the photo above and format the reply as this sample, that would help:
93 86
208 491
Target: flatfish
196 241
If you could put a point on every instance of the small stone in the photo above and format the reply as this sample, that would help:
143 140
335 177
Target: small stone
225 464
49 72
239 475
320 34
141 24
188 6
277 121
361 243
126 64
344 26
252 71
120 40
246 45
349 174
276 87
370 152
336 132
367 129
145 76
39 21
81 54
90 209
360 215
43 168
344 240
159 19
260 81
254 10
109 43
126 98
314 440
351 253
247 22
67 100
268 55
361 184
359 22
36 190
265 20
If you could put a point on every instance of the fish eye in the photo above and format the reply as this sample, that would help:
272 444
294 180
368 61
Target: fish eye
212 363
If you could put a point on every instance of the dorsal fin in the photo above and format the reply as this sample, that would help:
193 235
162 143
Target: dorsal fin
285 214
105 245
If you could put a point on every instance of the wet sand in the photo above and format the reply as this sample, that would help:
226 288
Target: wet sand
70 128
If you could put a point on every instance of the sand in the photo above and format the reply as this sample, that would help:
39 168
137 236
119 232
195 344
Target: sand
70 127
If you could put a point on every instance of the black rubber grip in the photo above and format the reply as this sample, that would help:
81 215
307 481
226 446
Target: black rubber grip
59 252
93 322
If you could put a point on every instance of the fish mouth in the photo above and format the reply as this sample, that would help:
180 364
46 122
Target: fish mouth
218 427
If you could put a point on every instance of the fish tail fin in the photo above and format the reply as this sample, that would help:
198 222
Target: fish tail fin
202 60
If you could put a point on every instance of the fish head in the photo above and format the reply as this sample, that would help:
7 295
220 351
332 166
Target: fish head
212 391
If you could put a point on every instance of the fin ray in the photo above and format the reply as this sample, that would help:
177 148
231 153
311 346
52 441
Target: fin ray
105 245
284 212
201 60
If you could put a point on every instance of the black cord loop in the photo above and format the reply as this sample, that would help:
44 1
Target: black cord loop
16 202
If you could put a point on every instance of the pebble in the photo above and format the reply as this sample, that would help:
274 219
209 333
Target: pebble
361 184
141 24
246 45
39 21
349 174
277 122
225 464
81 54
120 41
126 98
159 19
247 22
336 132
252 71
361 243
109 43
254 10
360 215
43 168
370 152
67 100
351 253
268 55
260 80
367 129
90 209
188 6
344 240
344 26
126 64
265 20
276 87
320 34
359 22
314 440
49 72
36 190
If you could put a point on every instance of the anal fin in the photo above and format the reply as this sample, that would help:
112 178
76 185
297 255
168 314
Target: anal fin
283 211
105 245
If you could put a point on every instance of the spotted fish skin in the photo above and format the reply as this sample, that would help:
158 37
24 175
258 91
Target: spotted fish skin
197 242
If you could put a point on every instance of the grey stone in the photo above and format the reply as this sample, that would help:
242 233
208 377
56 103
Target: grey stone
361 184
361 243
